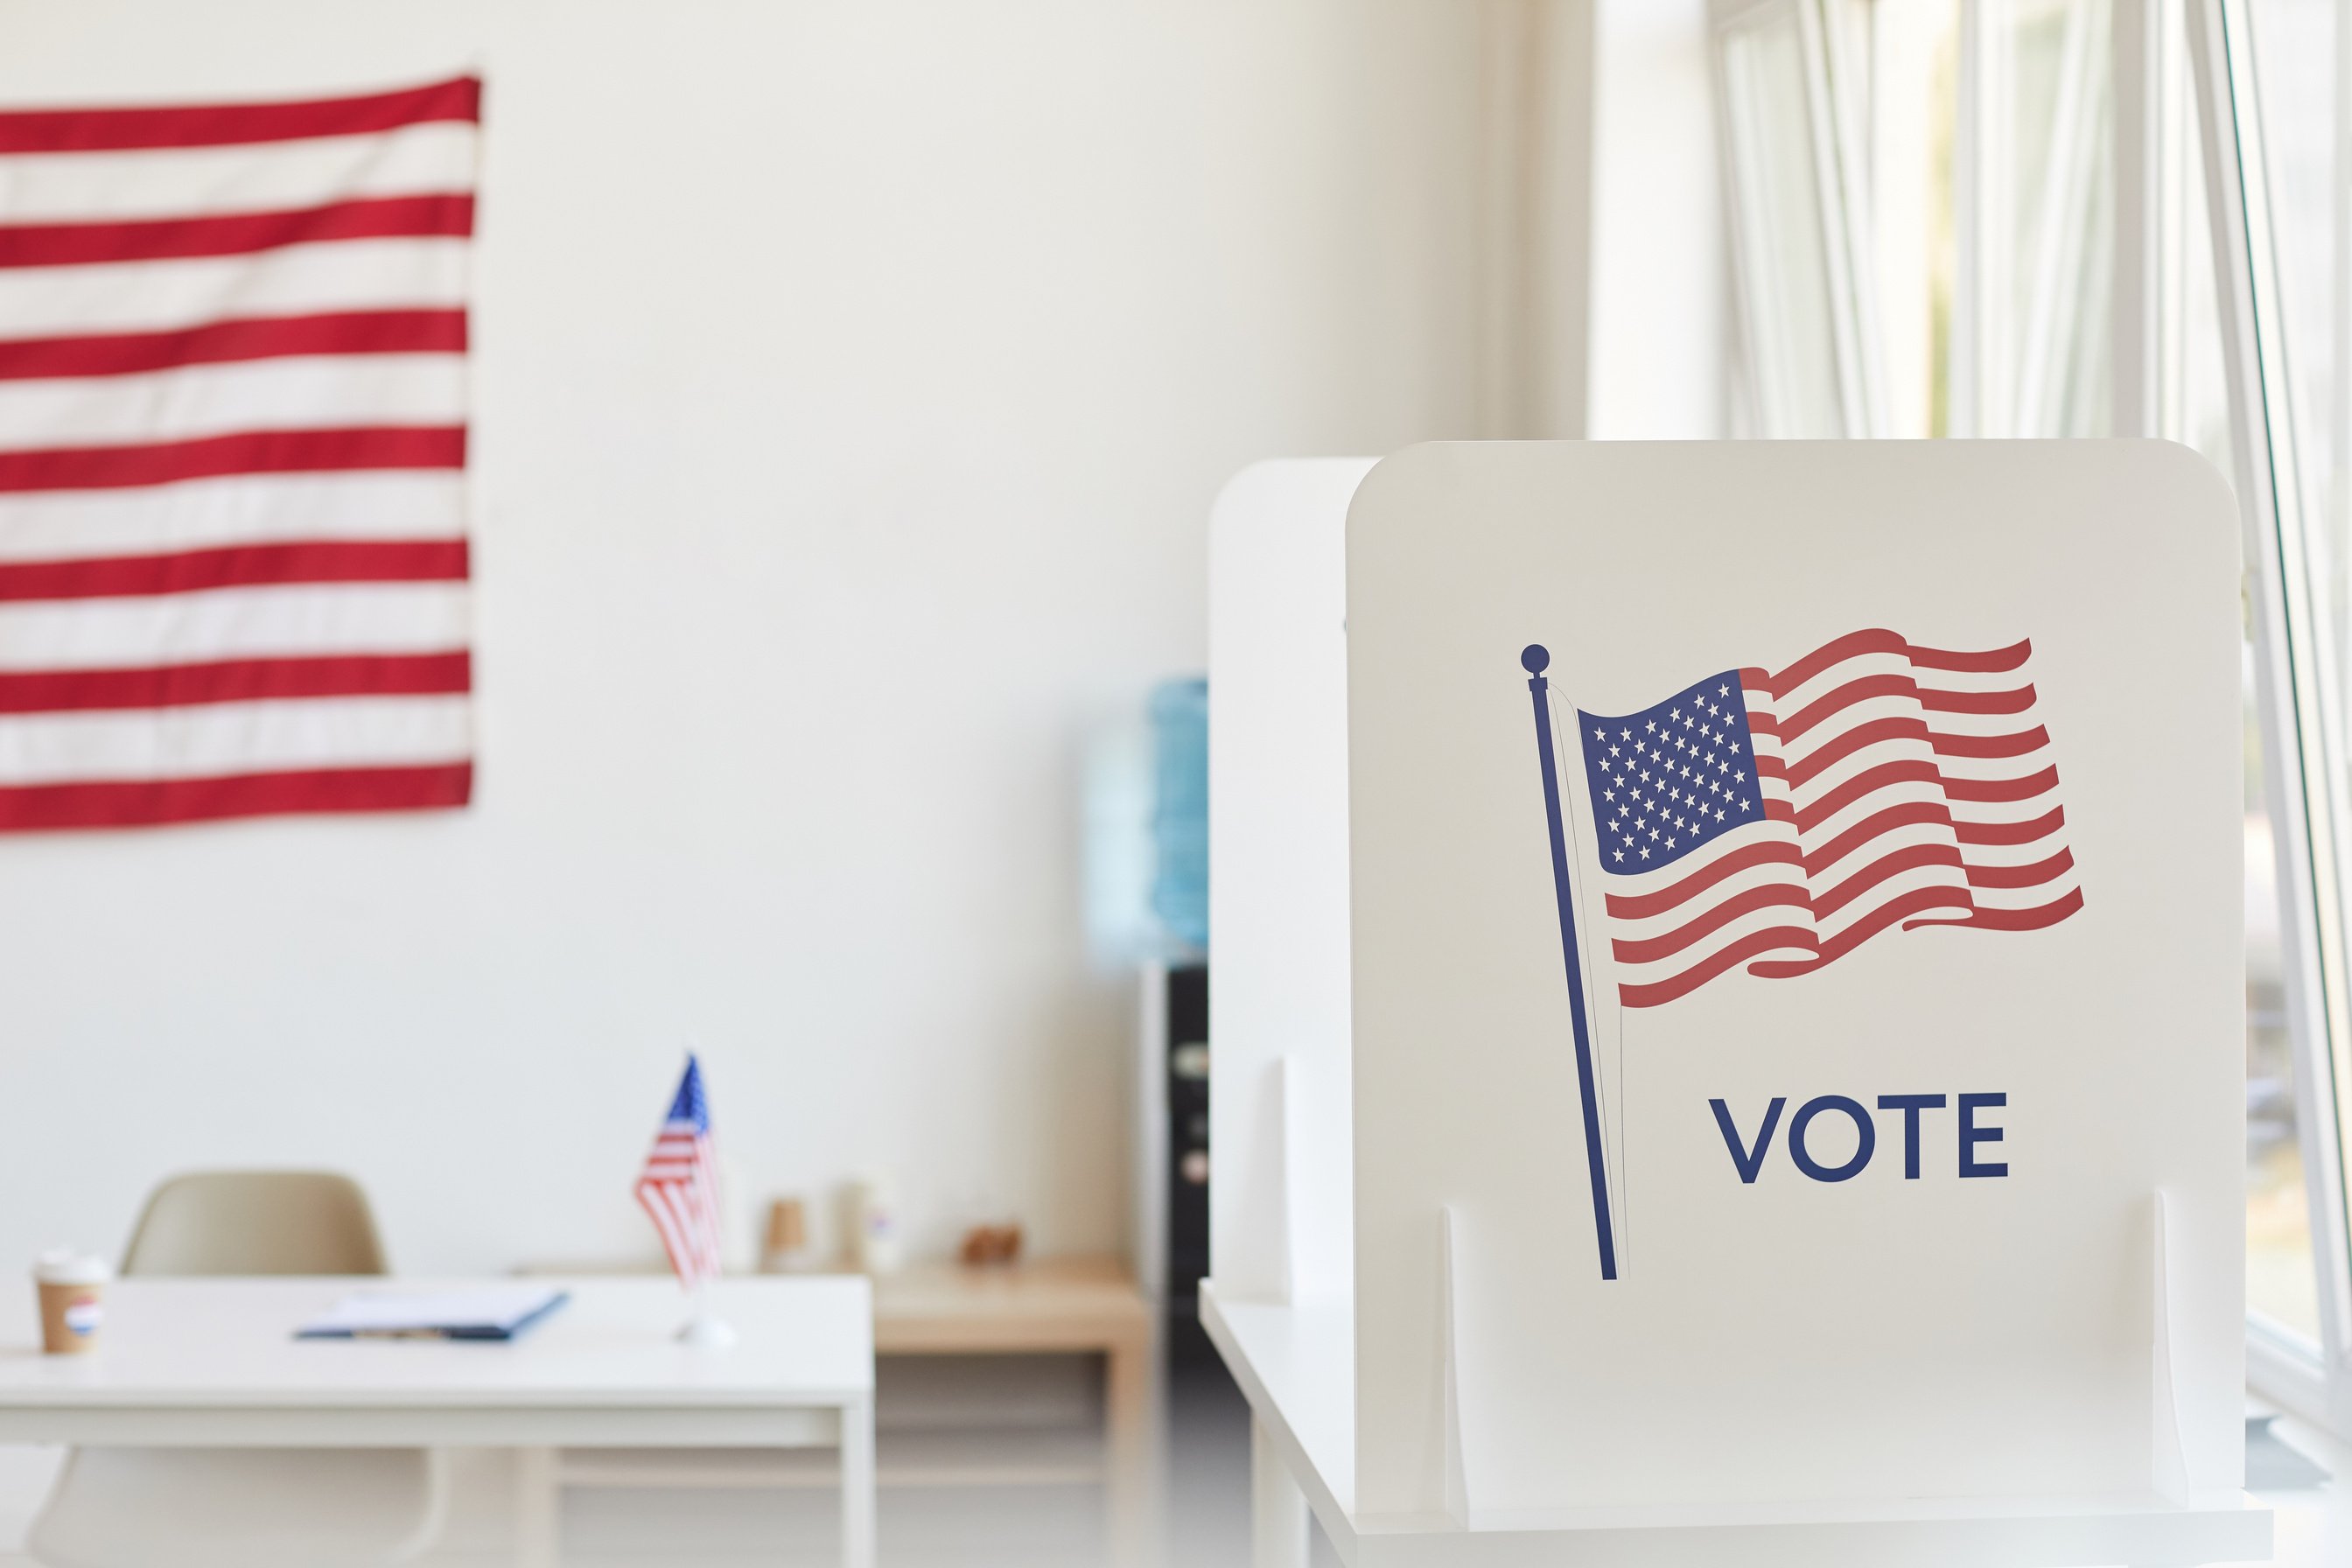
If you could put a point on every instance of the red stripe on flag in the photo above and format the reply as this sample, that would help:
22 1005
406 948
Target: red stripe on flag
2014 745
1910 858
1641 906
1992 661
1714 963
1855 645
192 571
687 1199
653 1196
1872 732
237 680
2013 701
1851 646
1833 702
1869 780
2032 876
248 452
1768 895
2038 918
234 234
1910 814
1865 734
1771 895
2002 791
109 130
678 1208
2012 833
1915 901
230 342
148 801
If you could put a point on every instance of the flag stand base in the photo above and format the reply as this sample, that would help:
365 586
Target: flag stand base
705 1332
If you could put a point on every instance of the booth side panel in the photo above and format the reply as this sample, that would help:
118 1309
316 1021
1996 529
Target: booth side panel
1280 1199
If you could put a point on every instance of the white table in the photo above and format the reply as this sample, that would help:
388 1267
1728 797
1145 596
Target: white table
215 1363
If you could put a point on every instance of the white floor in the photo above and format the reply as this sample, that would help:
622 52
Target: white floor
982 1527
2312 1523
1033 1526
921 1525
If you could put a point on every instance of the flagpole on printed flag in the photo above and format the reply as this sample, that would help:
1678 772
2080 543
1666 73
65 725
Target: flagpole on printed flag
1535 659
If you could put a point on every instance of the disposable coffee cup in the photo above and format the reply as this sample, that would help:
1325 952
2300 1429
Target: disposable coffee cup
72 1288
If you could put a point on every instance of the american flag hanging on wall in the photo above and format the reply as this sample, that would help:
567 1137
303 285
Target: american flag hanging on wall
233 550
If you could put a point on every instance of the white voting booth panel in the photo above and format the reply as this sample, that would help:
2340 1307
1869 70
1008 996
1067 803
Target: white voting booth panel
1857 1181
1280 1215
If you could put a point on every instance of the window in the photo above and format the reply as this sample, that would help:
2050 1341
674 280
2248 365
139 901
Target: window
1904 91
2269 78
2038 218
1792 221
2082 217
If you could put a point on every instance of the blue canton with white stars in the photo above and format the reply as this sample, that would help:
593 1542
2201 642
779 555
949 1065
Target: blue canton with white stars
1671 778
689 1108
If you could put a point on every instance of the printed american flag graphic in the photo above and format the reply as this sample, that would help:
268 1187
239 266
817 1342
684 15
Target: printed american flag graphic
233 404
679 1185
1780 819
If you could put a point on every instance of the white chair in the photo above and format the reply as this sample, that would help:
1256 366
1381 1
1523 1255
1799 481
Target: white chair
245 1507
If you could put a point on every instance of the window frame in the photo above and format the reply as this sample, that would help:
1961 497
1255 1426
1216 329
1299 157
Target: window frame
2156 49
2303 752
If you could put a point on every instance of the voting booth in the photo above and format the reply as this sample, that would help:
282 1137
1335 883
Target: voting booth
1729 1003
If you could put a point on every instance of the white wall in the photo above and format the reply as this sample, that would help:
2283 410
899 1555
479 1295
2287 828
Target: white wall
854 378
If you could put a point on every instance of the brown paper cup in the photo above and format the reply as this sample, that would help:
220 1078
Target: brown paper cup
70 1316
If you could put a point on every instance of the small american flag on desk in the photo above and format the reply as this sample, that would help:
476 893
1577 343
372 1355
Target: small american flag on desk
1780 819
679 1187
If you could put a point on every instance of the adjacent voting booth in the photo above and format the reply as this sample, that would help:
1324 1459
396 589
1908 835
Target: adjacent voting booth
1728 1010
